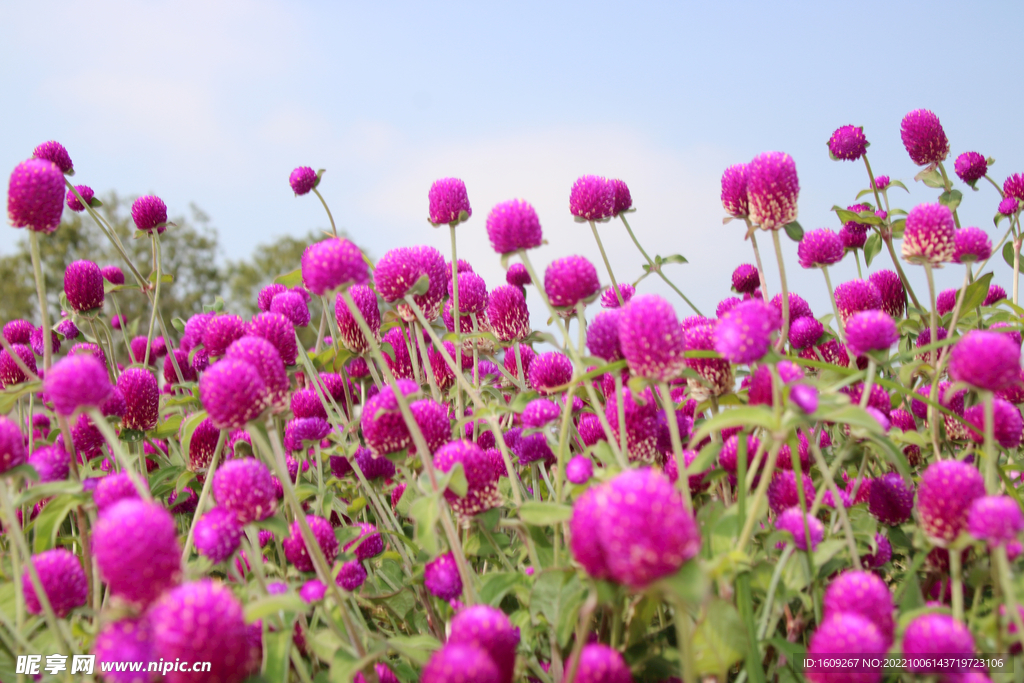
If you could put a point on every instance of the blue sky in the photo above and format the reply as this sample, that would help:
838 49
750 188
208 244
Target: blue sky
216 102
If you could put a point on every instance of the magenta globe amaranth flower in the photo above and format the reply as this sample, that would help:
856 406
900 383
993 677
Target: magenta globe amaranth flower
52 463
1008 206
507 313
856 296
398 272
734 191
12 445
570 280
245 487
292 306
970 167
923 137
217 534
592 198
716 376
743 335
745 279
303 179
603 336
295 549
35 196
126 640
518 276
947 490
848 143
351 336
233 393
609 299
820 248
651 338
368 544
220 331
62 578
457 663
772 190
441 577
783 491
995 519
891 499
87 195
490 630
995 293
136 547
930 235
579 469
482 490
83 286
513 225
55 152
449 202
798 307
623 200
805 332
351 576
641 417
792 520
936 635
890 289
149 212
599 663
114 488
844 635
331 264
549 370
78 381
279 331
987 360
141 398
870 331
18 331
261 354
865 594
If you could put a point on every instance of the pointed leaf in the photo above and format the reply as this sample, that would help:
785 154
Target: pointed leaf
540 513
794 230
872 246
1008 252
292 279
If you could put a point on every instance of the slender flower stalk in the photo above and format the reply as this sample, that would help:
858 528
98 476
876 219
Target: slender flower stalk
458 321
156 294
835 309
683 482
933 359
887 237
44 314
115 445
330 216
204 494
655 268
784 336
956 577
607 265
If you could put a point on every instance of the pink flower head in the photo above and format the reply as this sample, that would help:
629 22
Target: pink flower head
264 356
792 520
295 547
783 492
772 189
513 225
856 296
245 487
518 276
570 280
472 293
862 593
507 313
890 288
18 331
1014 186
745 279
891 499
805 332
441 577
1008 206
351 576
293 306
935 634
623 200
734 191
57 153
651 338
220 331
986 360
374 467
383 427
66 328
368 544
743 335
400 269
482 491
930 235
970 167
601 664
798 307
277 330
870 331
1006 423
35 196
716 373
996 519
457 663
540 412
549 370
331 264
845 634
995 293
63 580
603 336
87 194
820 248
233 393
303 179
267 294
881 182
948 489
12 445
78 381
579 469
761 381
448 202
641 417
149 212
141 398
217 534
610 300
112 489
592 198
848 143
923 137
113 275
352 337
853 236
136 547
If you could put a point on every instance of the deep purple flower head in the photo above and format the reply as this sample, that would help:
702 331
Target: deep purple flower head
448 201
798 307
303 179
923 137
870 331
848 143
37 341
67 328
947 490
401 268
518 276
292 306
743 335
716 373
351 576
331 264
72 201
881 182
456 663
63 579
383 427
570 280
610 300
202 621
936 634
472 293
513 225
531 448
890 288
220 331
149 212
579 469
584 531
217 534
57 153
202 445
881 556
367 544
623 200
441 577
113 275
267 294
727 304
507 313
862 593
841 634
35 196
772 189
141 398
1014 186
1008 206
295 547
12 444
376 467
734 191
112 489
18 331
603 336
946 301
820 247
996 519
1006 421
792 520
136 547
783 493
306 403
891 499
856 296
482 491
126 640
300 432
601 664
261 354
233 393
279 331
804 332
10 373
853 236
930 235
641 415
970 167
651 338
549 370
745 279
592 198
986 360
78 381
540 412
995 293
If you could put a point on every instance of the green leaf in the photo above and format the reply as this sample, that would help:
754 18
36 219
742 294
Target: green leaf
687 586
276 648
931 178
794 230
344 667
557 595
178 324
417 648
674 258
420 287
872 247
272 604
540 513
9 398
951 199
897 183
50 520
167 428
457 483
754 416
495 586
276 524
746 608
720 639
1008 253
898 226
846 216
36 493
425 513
188 428
292 279
976 293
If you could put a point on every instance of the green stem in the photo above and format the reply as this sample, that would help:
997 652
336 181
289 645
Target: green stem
856 258
956 575
458 323
683 482
830 484
773 584
156 295
44 314
934 353
784 337
948 188
607 265
655 268
754 511
1006 581
328 210
991 456
835 308
868 382
115 445
205 494
757 260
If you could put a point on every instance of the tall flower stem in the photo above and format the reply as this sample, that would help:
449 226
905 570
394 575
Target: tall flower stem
683 482
959 303
757 260
607 265
991 464
835 308
115 445
33 377
785 290
887 237
949 187
458 322
934 355
654 267
156 294
328 210
44 314
1016 268
956 576
868 382
754 510
830 484
1009 590
109 231
204 494
856 258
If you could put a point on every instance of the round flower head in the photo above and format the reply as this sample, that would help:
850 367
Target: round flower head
35 196
490 630
149 212
745 279
936 634
923 137
820 248
880 557
734 191
540 412
72 201
432 419
890 288
12 445
603 336
472 293
441 577
112 489
78 381
601 664
246 488
83 286
331 264
592 198
870 331
141 397
301 432
970 167
930 235
202 622
549 370
482 491
18 331
579 469
853 236
1006 422
798 307
946 301
10 373
66 328
792 520
351 576
376 468
856 296
127 640
881 182
507 313
113 275
995 293
841 634
805 332
292 306
641 424
947 490
135 544
267 294
400 269
383 427
651 338
513 225
783 493
217 534
623 200
448 201
261 354
987 360
295 547
1013 188
63 579
1008 206
202 445
303 179
891 499
233 393
37 341
533 448
743 335
518 276
996 519
848 143
772 190
220 331
457 663
312 591
57 153
51 462
277 330
610 300
715 373
368 544
350 334
727 304
570 280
